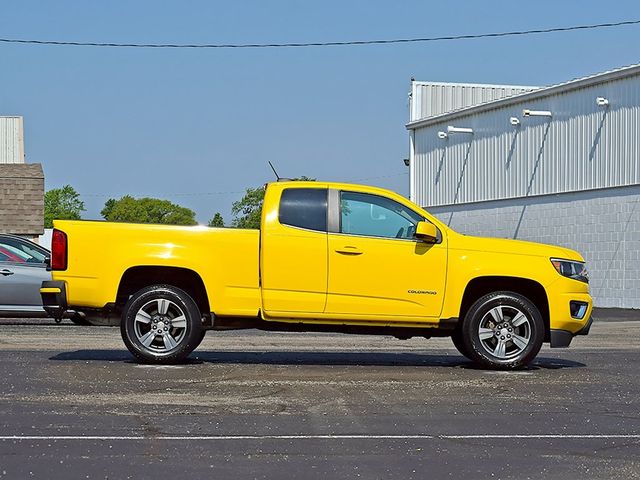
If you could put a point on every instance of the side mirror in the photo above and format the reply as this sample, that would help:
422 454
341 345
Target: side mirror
427 232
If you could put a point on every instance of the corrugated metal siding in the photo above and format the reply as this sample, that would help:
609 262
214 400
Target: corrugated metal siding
583 146
431 99
11 140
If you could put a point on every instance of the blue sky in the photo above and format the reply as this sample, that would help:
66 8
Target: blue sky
198 126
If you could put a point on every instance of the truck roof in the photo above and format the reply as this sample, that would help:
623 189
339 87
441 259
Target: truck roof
336 185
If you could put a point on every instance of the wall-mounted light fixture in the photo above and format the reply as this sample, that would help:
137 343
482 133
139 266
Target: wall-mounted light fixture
406 162
451 129
442 135
536 113
602 102
514 121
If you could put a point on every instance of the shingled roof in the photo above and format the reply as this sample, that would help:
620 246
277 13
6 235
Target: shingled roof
22 198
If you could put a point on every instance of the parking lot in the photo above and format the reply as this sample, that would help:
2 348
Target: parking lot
249 404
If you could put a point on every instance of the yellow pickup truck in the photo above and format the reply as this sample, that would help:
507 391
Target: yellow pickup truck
328 257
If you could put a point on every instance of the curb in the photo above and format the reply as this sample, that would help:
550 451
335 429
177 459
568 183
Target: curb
615 314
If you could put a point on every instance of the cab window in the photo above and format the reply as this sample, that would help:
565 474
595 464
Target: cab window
304 208
375 216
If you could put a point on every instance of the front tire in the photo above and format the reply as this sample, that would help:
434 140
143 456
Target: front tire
502 330
161 324
458 342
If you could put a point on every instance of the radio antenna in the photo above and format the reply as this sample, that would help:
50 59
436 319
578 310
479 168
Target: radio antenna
274 171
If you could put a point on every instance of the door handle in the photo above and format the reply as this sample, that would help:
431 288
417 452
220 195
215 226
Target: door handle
349 250
6 272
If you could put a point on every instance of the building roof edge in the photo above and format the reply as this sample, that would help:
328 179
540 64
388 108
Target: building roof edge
582 82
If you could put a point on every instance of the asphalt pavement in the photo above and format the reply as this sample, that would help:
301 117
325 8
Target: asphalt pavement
74 404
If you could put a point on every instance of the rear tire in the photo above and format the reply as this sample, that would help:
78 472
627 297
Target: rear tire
502 330
161 324
204 332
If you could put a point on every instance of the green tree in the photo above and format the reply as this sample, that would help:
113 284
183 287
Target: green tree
108 208
147 210
216 221
248 210
63 204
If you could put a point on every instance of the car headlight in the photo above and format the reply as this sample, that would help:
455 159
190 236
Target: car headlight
571 269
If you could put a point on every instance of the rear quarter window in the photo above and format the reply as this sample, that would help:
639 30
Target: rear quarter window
304 208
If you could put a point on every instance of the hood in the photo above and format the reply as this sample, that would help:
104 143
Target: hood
514 247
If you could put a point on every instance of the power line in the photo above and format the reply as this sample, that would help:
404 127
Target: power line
322 44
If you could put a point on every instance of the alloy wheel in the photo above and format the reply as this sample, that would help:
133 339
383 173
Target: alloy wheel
160 325
504 332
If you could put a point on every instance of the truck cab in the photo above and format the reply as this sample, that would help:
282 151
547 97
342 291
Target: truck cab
350 255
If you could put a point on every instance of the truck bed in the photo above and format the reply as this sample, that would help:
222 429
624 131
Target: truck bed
99 254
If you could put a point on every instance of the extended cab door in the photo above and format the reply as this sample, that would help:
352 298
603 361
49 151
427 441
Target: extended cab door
294 251
377 268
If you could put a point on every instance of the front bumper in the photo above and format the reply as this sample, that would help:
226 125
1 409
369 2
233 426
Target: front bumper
562 338
54 298
566 321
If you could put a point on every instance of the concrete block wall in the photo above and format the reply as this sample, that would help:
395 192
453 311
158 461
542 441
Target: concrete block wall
603 225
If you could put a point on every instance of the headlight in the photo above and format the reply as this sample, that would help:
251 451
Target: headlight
571 269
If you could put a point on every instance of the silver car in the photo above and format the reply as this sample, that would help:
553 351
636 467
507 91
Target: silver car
23 268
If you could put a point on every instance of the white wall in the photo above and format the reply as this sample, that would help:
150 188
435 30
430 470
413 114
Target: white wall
45 239
11 140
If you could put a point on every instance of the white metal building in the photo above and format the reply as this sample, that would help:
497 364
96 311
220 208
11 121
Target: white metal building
558 165
11 140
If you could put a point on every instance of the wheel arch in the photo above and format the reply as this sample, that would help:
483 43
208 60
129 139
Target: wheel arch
526 287
136 278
